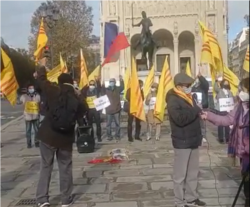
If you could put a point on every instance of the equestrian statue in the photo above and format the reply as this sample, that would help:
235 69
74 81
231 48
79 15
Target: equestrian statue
146 41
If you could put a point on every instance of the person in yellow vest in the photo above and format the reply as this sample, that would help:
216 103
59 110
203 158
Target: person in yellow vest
90 93
31 101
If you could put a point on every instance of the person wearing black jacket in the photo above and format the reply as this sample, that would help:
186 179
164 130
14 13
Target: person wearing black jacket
131 117
53 142
184 117
90 93
201 85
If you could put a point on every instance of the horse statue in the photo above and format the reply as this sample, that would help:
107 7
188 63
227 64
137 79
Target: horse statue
146 41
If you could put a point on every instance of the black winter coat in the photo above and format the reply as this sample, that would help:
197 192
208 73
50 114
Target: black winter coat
184 122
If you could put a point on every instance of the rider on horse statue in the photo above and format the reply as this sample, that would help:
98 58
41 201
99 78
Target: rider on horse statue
146 40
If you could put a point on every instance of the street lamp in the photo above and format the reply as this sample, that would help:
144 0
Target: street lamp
50 14
71 60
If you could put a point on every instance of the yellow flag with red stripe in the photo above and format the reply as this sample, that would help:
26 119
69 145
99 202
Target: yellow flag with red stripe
232 79
53 74
210 38
136 103
42 40
207 57
84 71
8 84
165 84
149 81
246 61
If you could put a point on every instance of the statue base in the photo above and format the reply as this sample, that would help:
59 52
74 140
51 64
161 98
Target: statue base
142 65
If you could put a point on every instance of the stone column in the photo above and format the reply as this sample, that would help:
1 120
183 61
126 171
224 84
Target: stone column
176 57
197 54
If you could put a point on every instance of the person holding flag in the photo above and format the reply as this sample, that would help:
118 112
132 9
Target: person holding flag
201 86
184 117
131 117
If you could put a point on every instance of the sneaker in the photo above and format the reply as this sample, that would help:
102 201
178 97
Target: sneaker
148 138
197 203
99 139
204 140
29 146
46 204
37 145
70 203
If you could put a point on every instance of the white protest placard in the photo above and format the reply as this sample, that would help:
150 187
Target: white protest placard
122 104
199 97
152 103
226 104
101 103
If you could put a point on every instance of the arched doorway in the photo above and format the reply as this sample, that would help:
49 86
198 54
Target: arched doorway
186 51
164 41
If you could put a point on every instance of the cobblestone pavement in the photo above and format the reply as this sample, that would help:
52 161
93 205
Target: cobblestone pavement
144 181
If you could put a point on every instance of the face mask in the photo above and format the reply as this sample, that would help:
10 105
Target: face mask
91 87
187 90
75 85
32 90
244 97
112 84
153 89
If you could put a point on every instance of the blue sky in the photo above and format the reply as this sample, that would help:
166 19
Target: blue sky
16 15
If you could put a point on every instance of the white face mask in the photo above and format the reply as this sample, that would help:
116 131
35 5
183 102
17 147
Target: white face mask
187 90
153 89
244 97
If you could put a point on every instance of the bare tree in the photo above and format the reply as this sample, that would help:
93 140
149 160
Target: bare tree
70 33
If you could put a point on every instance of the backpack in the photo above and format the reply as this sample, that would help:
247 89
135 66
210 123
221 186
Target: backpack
85 140
63 113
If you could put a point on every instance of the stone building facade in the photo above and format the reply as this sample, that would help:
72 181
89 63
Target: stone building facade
237 52
175 29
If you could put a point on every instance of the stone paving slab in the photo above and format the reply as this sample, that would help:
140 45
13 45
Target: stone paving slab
143 181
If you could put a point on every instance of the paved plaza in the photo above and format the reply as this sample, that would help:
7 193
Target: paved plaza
143 181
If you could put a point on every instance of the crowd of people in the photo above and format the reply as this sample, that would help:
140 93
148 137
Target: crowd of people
187 117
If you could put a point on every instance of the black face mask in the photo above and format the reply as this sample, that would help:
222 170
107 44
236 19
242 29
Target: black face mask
226 87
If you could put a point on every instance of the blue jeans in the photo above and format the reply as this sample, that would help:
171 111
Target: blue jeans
116 119
29 125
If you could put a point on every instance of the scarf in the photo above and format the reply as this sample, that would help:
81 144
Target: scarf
186 97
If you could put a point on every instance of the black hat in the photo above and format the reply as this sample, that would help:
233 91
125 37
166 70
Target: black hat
182 78
65 78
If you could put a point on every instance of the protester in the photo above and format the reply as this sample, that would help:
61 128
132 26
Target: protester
121 82
31 102
201 85
184 117
152 121
90 93
131 118
113 111
55 139
238 146
222 90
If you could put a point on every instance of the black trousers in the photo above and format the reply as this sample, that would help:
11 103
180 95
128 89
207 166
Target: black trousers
223 133
131 118
95 117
